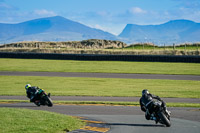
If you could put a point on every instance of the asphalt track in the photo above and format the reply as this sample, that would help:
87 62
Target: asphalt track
120 119
125 119
92 98
104 75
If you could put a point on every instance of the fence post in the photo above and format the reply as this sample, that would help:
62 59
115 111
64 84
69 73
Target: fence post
164 46
185 46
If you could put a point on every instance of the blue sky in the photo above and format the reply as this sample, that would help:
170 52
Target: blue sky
108 15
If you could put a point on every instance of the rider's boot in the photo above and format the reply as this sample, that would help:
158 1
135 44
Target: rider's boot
154 118
37 103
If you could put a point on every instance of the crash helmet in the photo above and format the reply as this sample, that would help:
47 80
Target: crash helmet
145 92
27 86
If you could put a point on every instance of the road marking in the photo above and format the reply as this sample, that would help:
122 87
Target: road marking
93 125
97 129
97 122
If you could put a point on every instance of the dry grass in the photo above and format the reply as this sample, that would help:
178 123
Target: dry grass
95 46
105 51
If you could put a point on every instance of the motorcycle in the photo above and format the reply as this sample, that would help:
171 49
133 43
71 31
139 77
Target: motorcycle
161 115
43 98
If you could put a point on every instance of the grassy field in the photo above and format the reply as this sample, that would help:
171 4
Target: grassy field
18 120
151 47
99 66
29 121
14 85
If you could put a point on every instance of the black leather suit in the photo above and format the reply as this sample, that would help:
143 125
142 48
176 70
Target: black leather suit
146 104
32 93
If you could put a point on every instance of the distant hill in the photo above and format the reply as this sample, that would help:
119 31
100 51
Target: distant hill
176 31
84 44
50 29
61 29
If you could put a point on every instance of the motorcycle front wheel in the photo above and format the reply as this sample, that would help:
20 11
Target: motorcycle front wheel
48 101
164 119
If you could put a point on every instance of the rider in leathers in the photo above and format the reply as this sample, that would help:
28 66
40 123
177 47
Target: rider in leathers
31 92
146 104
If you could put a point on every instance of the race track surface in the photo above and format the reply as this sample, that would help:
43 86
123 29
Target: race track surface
126 119
120 119
94 98
104 75
138 124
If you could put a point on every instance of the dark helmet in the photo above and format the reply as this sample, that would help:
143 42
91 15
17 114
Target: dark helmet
27 86
145 92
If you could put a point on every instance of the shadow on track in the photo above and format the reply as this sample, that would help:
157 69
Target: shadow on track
135 125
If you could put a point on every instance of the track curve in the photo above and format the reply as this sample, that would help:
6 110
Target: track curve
126 119
121 119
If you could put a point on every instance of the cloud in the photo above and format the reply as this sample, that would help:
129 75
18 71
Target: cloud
137 10
193 4
102 13
185 13
16 16
4 6
44 12
7 12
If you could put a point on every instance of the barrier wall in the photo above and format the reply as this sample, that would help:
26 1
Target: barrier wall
98 57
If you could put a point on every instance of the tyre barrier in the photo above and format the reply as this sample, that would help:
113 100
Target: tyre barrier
99 57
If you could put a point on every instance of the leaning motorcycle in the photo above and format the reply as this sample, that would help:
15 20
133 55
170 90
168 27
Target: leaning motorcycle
43 98
161 115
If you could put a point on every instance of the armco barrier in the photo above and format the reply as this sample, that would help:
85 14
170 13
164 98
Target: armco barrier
98 57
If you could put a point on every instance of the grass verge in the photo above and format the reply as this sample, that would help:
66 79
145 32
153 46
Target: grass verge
99 66
105 103
65 86
29 121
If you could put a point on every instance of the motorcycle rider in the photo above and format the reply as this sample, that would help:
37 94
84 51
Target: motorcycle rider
32 92
146 104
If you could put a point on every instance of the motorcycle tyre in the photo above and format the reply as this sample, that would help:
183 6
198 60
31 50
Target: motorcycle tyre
48 101
164 119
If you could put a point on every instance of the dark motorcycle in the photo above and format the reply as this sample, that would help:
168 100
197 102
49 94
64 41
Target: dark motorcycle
43 98
161 115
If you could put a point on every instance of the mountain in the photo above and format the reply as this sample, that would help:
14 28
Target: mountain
61 29
175 31
50 29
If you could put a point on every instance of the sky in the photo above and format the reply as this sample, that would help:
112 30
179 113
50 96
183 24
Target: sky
108 15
